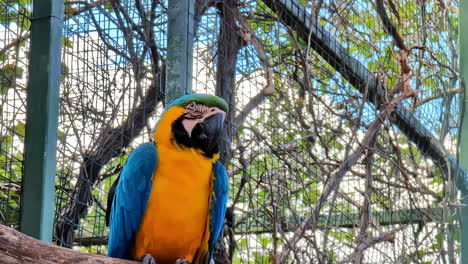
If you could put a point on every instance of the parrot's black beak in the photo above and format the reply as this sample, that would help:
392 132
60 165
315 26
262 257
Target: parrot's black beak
207 133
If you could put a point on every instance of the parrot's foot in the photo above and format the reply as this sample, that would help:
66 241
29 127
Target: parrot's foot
182 261
148 259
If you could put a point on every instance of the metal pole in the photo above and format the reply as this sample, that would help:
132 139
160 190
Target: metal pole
463 28
179 49
38 182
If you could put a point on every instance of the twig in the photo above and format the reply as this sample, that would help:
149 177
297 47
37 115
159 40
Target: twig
365 210
439 95
369 242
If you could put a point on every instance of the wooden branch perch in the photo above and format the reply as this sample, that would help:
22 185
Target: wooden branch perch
18 248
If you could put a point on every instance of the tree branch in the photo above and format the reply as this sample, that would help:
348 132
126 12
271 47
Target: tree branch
18 248
439 95
333 182
372 241
200 9
69 14
112 140
108 145
366 210
388 25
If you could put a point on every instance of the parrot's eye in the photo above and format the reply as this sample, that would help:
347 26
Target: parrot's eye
198 108
191 106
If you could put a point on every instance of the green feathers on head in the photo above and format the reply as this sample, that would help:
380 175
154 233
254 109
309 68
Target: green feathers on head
206 99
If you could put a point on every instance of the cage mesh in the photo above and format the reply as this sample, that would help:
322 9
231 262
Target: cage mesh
300 122
14 47
110 89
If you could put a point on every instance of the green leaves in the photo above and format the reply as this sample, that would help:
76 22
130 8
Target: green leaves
19 129
16 12
9 73
65 71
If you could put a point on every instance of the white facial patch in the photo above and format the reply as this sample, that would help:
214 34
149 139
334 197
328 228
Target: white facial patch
196 113
189 125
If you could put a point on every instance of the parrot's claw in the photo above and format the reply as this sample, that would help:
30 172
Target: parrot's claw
182 261
148 259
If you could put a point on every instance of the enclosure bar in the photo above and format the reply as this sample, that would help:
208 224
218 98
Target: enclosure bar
463 28
384 218
38 182
179 49
296 16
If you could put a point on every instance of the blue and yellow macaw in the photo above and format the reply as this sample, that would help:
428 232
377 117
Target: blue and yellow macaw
170 200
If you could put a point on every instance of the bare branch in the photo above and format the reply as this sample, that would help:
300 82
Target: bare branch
439 95
388 25
72 13
108 145
333 182
370 242
18 248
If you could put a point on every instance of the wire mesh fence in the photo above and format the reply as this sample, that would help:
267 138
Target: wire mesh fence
318 172
113 81
14 47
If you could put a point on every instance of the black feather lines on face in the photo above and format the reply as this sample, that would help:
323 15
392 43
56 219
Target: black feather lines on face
198 140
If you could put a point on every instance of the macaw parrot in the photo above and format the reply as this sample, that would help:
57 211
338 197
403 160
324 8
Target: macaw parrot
169 201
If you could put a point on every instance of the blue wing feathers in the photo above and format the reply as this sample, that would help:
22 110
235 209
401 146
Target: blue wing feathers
218 204
134 185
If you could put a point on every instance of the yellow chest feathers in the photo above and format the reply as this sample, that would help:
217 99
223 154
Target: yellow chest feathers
175 221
